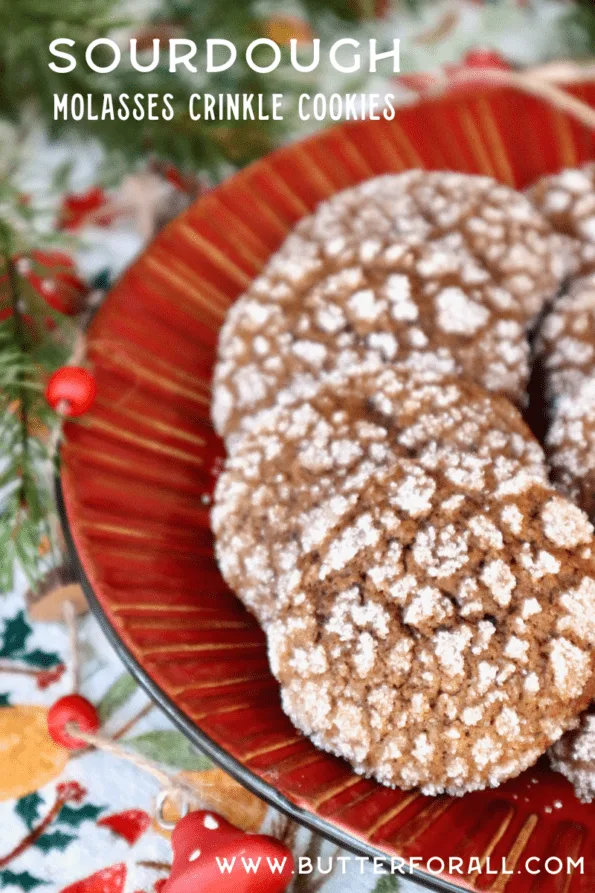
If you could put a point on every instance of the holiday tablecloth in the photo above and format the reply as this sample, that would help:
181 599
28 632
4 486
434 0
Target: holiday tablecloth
85 822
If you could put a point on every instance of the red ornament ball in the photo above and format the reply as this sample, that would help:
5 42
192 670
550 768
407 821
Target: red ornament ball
72 386
72 709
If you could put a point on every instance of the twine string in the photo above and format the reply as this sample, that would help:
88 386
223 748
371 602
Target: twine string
182 792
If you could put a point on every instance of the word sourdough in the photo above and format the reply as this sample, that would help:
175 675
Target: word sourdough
262 55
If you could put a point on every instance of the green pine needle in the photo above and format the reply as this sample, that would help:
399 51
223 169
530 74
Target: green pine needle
26 498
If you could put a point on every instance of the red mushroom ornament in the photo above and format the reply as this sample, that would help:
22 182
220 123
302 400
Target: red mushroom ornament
212 856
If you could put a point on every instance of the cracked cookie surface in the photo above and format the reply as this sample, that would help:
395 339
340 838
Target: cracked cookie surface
445 264
566 348
303 468
574 756
567 201
433 623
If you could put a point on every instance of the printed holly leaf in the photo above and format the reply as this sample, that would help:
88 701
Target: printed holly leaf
116 696
388 883
42 659
75 816
170 747
54 840
4 699
28 808
24 880
16 633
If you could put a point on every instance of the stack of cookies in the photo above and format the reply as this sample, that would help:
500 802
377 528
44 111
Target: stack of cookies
385 512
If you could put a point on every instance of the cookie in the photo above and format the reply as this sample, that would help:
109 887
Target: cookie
574 756
570 445
419 262
567 200
500 227
437 629
302 468
566 341
566 351
444 648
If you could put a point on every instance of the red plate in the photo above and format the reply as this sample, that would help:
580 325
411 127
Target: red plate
137 475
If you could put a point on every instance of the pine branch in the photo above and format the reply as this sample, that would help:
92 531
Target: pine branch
29 350
23 410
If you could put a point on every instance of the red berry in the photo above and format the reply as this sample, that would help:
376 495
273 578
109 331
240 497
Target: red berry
72 709
45 678
71 791
72 386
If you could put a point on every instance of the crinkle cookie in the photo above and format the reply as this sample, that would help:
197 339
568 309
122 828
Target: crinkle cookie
570 445
567 200
500 227
402 264
566 342
566 348
302 469
441 633
574 756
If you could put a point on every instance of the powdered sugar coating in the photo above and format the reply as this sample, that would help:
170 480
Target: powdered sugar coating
570 444
497 225
574 756
425 612
437 674
423 589
566 342
566 347
300 471
567 201
446 264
